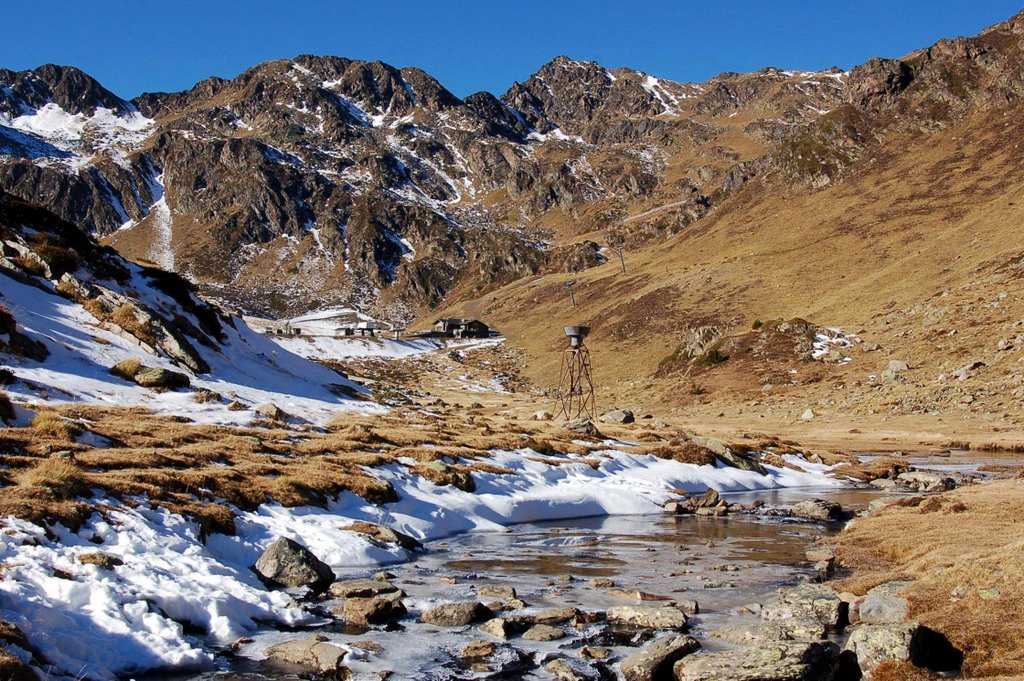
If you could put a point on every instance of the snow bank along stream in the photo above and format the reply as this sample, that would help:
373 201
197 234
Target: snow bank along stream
96 623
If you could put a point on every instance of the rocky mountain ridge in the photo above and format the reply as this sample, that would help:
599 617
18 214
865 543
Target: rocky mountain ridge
361 184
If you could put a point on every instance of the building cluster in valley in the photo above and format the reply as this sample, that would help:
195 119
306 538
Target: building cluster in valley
343 326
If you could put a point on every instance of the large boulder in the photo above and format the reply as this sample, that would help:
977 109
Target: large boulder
654 663
779 661
313 653
815 601
665 617
881 608
456 614
287 563
873 644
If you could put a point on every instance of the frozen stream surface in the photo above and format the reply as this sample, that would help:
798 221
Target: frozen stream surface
722 563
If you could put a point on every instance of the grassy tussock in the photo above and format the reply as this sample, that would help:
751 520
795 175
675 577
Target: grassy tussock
127 319
957 546
52 424
61 476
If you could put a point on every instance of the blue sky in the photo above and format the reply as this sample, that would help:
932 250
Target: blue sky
136 45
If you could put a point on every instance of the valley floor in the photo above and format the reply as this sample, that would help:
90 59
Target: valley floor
157 528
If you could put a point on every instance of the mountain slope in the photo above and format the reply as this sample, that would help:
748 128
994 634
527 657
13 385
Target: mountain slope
358 183
895 217
80 324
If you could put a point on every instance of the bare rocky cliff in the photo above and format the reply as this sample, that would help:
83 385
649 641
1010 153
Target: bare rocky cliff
322 180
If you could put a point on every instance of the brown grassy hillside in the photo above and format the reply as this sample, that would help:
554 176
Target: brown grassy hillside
917 248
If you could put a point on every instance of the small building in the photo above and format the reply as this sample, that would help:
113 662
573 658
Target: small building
360 329
462 328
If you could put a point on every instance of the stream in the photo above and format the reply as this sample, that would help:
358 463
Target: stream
722 563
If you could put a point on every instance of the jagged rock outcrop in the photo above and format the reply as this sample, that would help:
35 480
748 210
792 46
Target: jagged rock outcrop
364 184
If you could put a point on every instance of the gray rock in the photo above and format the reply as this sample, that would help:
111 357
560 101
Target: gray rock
618 416
497 627
478 650
271 411
287 563
801 627
898 366
818 509
665 617
808 415
583 427
456 614
807 600
362 588
375 610
879 608
313 653
160 379
503 593
543 632
541 416
556 615
779 661
873 644
655 661
562 670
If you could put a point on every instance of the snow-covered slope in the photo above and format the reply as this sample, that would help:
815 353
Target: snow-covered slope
91 310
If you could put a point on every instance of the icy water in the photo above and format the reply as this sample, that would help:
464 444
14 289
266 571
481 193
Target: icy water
722 563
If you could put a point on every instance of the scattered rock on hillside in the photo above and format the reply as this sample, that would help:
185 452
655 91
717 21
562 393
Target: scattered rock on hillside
271 411
655 661
149 377
622 416
541 416
583 427
898 366
808 414
287 563
881 608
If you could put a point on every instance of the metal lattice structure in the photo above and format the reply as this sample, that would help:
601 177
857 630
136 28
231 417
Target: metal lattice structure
576 386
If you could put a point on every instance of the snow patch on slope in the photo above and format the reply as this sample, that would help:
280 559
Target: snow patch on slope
247 366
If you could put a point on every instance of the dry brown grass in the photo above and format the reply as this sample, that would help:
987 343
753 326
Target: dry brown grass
957 546
52 424
60 475
127 319
126 368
